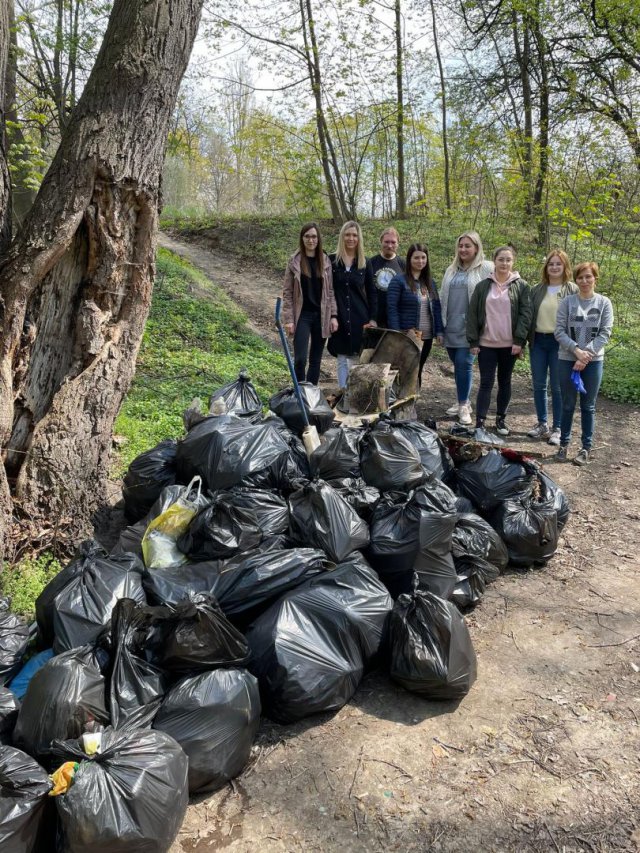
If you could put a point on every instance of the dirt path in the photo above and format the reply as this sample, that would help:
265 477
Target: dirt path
542 755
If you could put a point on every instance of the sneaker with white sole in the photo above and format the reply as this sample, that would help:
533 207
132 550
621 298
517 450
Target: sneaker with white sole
540 430
581 457
464 414
455 409
554 437
501 426
561 455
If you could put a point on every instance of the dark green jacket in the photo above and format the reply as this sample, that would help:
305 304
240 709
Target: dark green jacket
520 311
537 294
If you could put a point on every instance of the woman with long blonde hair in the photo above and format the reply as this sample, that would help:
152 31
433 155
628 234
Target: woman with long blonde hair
458 283
355 295
543 353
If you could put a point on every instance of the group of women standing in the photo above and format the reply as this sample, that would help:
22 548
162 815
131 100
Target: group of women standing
485 310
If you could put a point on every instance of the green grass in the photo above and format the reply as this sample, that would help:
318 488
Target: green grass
195 340
24 581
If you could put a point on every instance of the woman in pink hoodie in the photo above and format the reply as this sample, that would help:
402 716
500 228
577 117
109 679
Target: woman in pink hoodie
497 328
308 303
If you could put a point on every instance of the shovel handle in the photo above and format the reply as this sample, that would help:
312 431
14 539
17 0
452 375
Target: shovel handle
287 352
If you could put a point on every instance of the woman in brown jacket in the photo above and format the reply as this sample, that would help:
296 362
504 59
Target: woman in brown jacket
309 306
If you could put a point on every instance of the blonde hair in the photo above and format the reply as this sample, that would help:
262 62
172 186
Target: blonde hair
477 261
341 254
566 265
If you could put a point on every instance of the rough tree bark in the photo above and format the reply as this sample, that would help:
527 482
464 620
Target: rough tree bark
77 281
5 181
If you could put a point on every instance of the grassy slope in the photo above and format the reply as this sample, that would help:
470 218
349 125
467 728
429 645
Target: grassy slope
273 240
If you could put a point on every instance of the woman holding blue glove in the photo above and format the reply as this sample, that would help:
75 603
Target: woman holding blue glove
583 328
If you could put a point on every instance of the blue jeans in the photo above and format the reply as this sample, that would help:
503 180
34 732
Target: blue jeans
309 326
543 357
462 370
591 378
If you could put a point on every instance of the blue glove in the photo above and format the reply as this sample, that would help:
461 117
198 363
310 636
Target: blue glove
576 378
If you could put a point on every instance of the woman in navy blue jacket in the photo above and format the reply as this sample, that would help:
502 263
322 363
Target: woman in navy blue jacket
413 304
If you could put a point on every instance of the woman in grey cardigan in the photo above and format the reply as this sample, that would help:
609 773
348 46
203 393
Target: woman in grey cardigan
583 328
460 279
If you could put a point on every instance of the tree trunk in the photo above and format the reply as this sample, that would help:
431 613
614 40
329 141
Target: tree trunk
5 88
523 58
401 199
540 208
77 281
443 97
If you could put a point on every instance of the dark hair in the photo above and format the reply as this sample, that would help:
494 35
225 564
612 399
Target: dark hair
304 263
591 266
425 274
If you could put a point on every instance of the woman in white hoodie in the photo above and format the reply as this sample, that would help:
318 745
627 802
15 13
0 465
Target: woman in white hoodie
460 279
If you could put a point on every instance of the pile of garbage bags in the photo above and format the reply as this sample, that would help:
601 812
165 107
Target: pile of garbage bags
252 580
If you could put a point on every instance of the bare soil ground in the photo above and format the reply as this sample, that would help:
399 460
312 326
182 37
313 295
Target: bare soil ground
542 755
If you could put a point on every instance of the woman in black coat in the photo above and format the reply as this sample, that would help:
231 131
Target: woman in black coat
356 298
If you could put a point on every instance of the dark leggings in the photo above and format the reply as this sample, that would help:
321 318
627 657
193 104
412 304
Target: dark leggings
424 355
490 360
308 326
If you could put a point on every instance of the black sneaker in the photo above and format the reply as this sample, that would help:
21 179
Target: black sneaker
501 426
561 454
582 457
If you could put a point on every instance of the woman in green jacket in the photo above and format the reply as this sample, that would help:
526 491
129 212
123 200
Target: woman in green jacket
497 328
543 347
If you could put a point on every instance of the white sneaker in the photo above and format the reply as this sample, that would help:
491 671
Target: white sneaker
464 414
554 438
455 409
540 430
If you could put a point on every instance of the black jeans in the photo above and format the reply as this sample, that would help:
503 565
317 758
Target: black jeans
424 355
308 326
491 359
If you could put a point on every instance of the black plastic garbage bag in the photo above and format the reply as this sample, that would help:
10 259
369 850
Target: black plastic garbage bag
45 601
435 496
245 587
475 537
240 398
321 517
138 683
24 793
361 497
214 717
129 798
550 490
297 466
431 650
200 637
83 608
394 538
311 647
130 540
169 586
491 479
9 707
434 562
220 531
473 574
433 454
529 529
14 639
286 406
338 455
464 505
388 460
62 698
147 476
269 511
228 451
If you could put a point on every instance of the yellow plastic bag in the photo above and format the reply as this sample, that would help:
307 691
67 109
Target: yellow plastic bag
159 543
62 778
